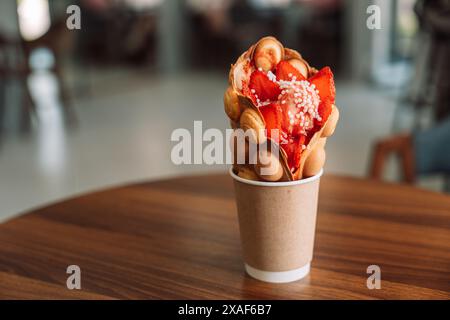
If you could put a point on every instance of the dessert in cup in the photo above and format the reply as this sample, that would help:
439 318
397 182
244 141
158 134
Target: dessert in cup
282 110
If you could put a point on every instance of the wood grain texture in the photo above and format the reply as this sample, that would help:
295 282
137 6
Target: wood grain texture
179 239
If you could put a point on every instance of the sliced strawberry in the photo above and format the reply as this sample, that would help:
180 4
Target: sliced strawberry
297 130
294 151
285 117
292 129
272 114
284 69
289 148
324 82
264 88
325 108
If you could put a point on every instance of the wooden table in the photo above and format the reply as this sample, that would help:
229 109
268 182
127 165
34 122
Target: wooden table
179 239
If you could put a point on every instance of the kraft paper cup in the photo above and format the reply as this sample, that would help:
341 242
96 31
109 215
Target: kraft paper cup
277 222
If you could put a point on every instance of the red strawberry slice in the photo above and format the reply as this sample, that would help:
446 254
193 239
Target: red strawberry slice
272 114
325 108
286 120
264 88
294 151
284 69
324 82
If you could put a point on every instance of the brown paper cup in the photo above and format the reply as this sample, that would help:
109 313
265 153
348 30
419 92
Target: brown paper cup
277 222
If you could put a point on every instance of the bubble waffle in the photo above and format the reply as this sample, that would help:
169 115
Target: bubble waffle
272 87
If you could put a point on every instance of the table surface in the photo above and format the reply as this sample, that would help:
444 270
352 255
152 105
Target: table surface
179 239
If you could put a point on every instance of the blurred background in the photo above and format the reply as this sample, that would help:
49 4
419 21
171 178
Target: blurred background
85 109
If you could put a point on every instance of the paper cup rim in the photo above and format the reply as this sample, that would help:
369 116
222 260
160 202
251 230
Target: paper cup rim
275 184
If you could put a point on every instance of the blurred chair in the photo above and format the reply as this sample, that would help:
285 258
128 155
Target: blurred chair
14 66
400 145
15 52
430 86
58 40
12 62
423 152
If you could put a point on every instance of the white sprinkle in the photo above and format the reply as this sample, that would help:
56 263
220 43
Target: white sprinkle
271 76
